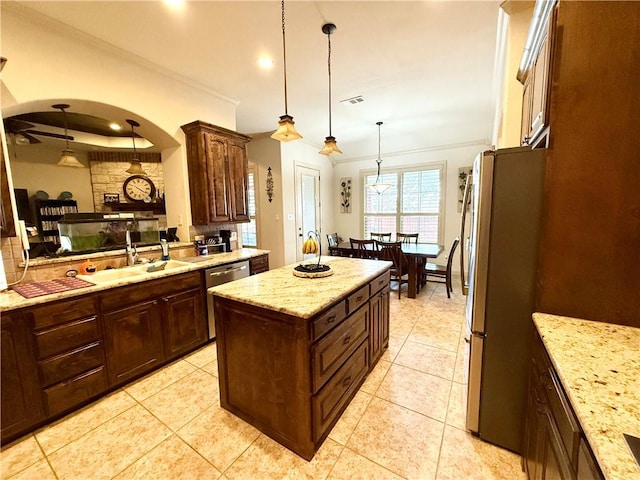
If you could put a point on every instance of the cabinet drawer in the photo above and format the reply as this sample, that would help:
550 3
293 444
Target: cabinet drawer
357 299
333 398
259 264
327 320
379 283
567 425
118 298
63 312
66 337
331 352
70 394
71 364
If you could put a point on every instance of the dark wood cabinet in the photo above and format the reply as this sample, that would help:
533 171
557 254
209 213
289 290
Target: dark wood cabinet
259 264
554 445
591 182
218 169
22 405
133 336
292 377
70 353
535 76
379 326
183 327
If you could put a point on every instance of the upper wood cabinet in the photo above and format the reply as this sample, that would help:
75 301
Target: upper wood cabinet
535 74
217 162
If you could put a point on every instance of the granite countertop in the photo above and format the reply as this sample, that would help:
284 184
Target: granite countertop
281 291
599 367
10 300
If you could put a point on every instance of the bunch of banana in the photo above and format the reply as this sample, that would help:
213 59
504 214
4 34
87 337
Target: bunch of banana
310 245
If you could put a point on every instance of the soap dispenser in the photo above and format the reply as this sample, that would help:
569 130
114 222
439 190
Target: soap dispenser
165 249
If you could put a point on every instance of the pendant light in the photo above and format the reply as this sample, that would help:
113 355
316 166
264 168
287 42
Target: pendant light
330 146
378 186
136 166
286 131
68 156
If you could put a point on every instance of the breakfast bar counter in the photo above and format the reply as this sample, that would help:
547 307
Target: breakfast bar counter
598 365
292 351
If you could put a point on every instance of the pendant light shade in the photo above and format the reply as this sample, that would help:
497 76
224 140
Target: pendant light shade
286 131
136 165
330 146
68 156
378 186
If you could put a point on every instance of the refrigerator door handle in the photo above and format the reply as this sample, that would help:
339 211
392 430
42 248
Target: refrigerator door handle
466 200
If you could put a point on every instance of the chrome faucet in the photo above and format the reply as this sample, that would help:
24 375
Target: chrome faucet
132 253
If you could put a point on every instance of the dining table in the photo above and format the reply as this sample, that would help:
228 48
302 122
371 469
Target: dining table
415 253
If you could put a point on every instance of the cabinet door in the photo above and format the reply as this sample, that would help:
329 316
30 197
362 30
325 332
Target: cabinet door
22 404
185 325
534 429
133 340
238 171
384 317
217 173
375 329
555 463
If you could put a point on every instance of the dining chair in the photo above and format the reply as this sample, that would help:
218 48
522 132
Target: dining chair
332 240
392 251
407 237
385 237
363 248
442 271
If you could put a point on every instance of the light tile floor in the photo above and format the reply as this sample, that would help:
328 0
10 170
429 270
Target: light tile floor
407 420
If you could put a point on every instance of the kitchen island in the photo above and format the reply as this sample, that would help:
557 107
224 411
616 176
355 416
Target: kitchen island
292 352
598 366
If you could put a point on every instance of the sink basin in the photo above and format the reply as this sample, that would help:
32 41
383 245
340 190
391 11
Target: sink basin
115 274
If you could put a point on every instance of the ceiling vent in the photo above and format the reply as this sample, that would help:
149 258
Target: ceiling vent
353 100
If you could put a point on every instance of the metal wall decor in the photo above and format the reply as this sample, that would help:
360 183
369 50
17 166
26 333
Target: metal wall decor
269 185
345 195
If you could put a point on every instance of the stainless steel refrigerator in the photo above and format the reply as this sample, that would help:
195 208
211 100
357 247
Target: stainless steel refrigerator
505 205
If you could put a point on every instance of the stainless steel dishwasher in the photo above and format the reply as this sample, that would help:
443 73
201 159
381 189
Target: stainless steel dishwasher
217 276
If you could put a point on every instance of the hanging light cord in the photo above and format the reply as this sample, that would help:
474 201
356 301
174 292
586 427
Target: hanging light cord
378 160
284 63
329 69
133 137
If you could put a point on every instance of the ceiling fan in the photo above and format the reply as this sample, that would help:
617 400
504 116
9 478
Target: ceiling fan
23 132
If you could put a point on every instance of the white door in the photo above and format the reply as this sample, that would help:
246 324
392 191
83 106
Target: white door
307 205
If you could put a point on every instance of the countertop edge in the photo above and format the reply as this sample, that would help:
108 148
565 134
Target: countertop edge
11 300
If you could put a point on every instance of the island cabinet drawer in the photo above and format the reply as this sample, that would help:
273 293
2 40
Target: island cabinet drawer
66 337
63 312
335 395
379 283
328 320
117 298
71 393
68 365
357 299
332 351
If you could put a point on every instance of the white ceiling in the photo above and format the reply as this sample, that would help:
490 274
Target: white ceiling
424 68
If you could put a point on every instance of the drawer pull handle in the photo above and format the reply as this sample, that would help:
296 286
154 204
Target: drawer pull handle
359 298
346 381
347 339
331 319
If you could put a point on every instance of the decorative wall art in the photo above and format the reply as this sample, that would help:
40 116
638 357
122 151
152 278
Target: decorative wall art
463 174
269 185
111 197
345 194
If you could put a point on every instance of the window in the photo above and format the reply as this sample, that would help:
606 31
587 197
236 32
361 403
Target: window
249 235
413 203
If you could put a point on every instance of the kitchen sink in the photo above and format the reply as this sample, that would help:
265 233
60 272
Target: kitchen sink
116 274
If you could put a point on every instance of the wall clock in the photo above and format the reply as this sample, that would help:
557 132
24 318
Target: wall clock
139 188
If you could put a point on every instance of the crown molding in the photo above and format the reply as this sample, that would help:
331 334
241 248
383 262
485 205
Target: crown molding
451 146
91 41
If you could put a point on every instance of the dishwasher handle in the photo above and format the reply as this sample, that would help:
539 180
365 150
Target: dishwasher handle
226 272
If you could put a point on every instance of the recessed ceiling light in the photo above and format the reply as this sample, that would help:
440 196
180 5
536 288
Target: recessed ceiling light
114 126
174 4
265 63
